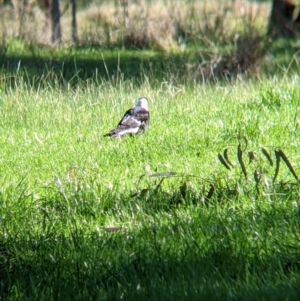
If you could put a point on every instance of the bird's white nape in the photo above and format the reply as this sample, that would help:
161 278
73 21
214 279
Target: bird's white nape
142 103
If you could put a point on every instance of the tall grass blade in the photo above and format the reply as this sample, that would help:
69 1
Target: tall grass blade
267 155
210 192
225 154
164 174
220 157
277 154
240 158
288 164
158 185
251 156
182 189
256 177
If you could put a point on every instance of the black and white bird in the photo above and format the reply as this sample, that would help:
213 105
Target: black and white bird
134 121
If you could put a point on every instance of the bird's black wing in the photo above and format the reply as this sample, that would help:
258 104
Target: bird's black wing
134 121
129 124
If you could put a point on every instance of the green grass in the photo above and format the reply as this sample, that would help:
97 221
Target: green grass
40 66
154 217
70 66
79 222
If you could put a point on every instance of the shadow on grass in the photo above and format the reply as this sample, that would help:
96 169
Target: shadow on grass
159 262
96 65
43 65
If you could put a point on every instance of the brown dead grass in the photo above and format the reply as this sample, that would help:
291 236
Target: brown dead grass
165 25
229 35
161 24
244 59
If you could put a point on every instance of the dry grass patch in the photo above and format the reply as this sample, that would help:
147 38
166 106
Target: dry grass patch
226 38
165 25
158 24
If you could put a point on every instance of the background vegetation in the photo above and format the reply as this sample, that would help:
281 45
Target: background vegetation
205 205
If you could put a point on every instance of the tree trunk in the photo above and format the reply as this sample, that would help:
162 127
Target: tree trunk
282 23
125 5
74 22
55 21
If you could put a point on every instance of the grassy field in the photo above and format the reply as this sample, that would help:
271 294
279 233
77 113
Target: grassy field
84 217
204 206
